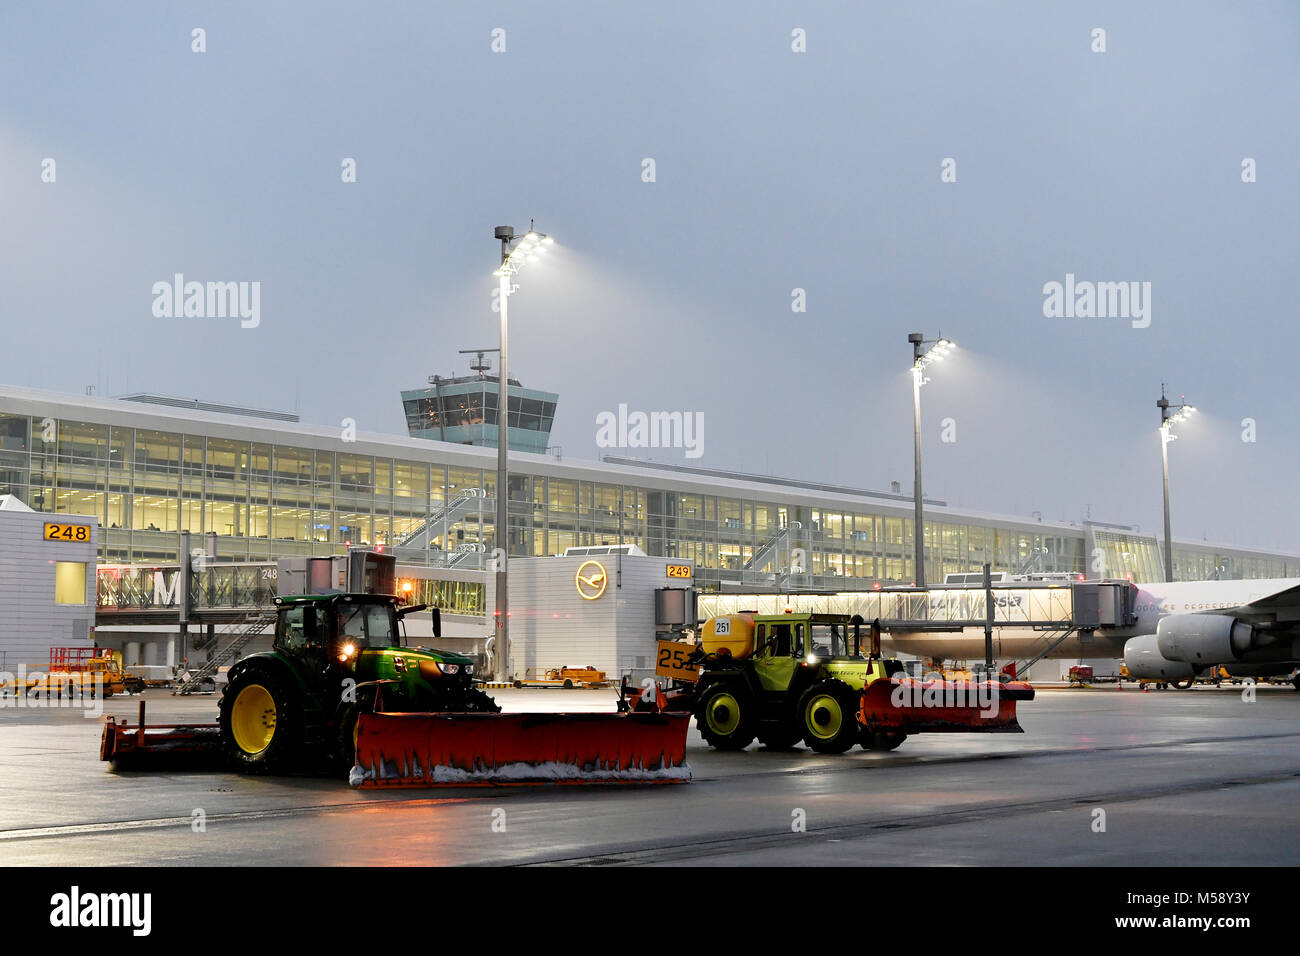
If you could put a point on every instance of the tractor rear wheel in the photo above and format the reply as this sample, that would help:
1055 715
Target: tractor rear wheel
826 717
725 717
261 721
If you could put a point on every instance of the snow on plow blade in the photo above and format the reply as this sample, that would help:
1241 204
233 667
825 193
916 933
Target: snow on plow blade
429 750
905 705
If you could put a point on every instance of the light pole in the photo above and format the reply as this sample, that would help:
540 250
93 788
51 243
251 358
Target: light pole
921 357
1170 415
516 252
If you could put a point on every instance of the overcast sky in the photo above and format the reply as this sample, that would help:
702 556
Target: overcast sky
775 170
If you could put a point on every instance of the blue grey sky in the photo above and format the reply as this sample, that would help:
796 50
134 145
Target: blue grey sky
775 170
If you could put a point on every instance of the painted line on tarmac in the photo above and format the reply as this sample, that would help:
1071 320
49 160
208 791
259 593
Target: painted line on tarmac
747 843
898 760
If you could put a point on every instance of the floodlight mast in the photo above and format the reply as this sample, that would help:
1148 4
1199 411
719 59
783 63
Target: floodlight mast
516 252
1170 415
924 353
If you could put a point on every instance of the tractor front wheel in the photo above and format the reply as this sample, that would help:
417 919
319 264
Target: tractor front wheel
261 723
724 717
826 716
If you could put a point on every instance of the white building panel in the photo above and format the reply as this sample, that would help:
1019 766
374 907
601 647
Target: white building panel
32 622
557 620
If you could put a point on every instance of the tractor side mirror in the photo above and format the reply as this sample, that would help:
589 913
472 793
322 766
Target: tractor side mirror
437 622
311 627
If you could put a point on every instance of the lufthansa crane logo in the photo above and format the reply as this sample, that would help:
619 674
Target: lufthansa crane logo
590 580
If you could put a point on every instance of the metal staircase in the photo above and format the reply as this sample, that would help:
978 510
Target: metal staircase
1053 639
771 547
450 513
254 624
465 552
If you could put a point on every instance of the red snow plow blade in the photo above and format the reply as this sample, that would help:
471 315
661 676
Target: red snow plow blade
457 750
908 706
160 746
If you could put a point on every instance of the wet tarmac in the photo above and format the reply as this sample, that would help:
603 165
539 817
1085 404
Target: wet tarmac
1101 776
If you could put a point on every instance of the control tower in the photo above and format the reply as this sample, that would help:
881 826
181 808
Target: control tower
463 409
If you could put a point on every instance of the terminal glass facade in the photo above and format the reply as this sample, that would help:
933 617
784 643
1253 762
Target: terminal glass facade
266 501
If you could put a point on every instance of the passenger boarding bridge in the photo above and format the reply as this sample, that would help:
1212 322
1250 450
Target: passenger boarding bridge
1031 619
227 592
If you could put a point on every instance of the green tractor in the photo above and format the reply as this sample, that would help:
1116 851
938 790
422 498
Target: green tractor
300 699
788 677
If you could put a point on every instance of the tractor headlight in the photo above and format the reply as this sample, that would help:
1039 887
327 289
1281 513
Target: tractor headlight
811 659
347 652
450 669
469 669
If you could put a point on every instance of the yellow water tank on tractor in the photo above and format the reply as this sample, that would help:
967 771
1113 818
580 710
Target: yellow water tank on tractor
729 635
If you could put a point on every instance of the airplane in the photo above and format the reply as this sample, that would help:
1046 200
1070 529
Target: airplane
1182 630
1186 628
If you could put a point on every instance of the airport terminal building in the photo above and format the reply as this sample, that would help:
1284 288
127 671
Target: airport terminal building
267 486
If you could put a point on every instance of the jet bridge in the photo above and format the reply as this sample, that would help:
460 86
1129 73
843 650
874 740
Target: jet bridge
1083 605
1031 620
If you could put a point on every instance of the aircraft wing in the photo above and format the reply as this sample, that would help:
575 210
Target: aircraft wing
1281 606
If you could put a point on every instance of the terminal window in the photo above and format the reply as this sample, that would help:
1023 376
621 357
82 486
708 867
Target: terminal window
70 582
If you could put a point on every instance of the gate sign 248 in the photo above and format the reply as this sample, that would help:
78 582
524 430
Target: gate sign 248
67 532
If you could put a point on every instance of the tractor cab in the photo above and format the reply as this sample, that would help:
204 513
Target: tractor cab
334 624
833 635
332 655
362 634
815 638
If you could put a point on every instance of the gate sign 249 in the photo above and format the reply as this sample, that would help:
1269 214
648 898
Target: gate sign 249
67 532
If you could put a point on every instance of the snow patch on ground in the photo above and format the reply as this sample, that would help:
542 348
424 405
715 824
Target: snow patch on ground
553 772
548 772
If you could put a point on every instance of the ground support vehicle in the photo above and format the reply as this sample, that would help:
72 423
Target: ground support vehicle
1083 675
340 687
78 672
787 678
564 677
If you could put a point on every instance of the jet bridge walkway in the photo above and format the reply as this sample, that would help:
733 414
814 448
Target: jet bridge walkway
1055 610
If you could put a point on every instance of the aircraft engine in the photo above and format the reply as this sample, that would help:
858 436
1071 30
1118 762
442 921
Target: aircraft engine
1145 662
1203 639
